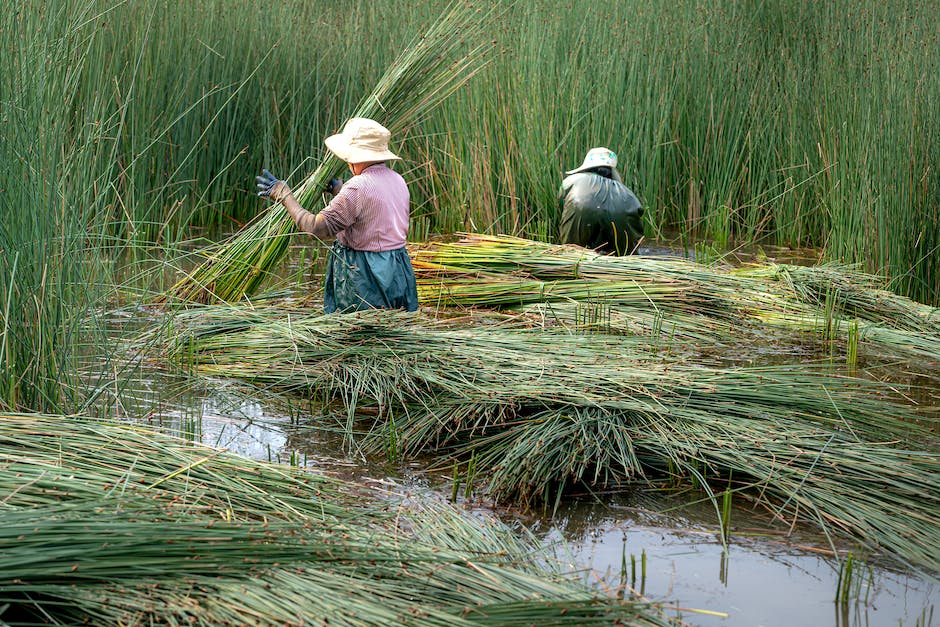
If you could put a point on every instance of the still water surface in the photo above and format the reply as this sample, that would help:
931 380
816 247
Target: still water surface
766 578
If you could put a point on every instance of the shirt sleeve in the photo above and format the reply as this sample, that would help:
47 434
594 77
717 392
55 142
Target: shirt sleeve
343 210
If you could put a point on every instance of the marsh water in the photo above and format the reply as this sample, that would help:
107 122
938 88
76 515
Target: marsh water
767 577
662 545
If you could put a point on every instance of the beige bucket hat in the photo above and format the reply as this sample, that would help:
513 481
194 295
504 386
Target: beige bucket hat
362 141
595 158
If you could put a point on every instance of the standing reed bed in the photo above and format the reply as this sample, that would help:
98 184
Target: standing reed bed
114 524
539 410
733 123
435 65
55 264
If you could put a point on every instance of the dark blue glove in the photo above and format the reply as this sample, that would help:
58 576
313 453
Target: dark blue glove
333 186
266 183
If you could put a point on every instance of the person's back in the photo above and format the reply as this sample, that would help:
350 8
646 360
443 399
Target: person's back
368 265
598 210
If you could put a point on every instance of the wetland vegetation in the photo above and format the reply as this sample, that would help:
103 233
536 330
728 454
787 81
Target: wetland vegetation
535 375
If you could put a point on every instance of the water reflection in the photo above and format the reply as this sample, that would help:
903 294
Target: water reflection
245 430
211 412
762 579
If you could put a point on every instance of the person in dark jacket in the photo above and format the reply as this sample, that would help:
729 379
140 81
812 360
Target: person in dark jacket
597 209
368 266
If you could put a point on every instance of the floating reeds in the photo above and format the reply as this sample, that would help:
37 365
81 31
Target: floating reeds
110 524
544 408
452 50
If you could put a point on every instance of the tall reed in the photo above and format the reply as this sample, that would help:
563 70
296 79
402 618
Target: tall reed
54 267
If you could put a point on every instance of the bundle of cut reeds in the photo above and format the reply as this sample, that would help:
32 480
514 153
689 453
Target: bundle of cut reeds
544 408
679 295
105 523
435 65
855 293
480 270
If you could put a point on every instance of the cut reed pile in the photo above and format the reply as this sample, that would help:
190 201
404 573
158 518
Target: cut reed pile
111 524
688 299
855 293
540 409
436 64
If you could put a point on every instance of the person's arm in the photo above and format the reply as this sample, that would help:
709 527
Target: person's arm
271 187
305 220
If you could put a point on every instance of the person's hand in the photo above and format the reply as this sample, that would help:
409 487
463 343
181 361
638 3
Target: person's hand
269 186
333 186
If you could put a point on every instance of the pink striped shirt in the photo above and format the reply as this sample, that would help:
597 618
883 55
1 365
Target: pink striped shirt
371 211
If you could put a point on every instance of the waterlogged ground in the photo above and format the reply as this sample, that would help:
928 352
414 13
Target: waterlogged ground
763 579
768 577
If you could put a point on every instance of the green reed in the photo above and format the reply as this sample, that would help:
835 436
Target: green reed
52 272
798 123
106 523
539 409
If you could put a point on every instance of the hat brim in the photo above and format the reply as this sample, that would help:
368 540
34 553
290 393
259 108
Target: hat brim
339 145
584 168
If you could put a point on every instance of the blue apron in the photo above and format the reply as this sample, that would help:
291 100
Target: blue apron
362 279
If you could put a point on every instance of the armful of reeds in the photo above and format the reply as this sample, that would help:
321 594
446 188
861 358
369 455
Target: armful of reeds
434 66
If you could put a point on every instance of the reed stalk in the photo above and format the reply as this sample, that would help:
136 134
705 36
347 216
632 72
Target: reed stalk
55 264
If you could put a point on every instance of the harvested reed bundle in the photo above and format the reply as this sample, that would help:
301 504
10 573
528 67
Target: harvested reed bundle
447 273
855 293
117 458
541 409
510 272
164 551
424 74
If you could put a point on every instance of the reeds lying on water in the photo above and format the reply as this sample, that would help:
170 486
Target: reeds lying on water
677 294
541 409
111 524
424 74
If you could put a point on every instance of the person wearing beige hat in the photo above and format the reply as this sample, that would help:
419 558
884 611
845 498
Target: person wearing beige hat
597 210
368 266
